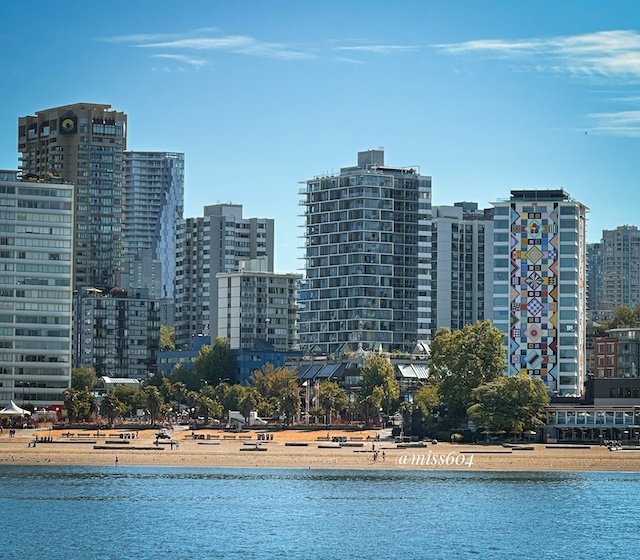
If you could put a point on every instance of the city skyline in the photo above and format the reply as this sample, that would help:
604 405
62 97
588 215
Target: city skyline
483 98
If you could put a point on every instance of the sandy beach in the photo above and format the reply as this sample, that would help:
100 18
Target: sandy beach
297 449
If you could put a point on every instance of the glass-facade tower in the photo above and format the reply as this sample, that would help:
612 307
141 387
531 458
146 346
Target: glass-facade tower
153 204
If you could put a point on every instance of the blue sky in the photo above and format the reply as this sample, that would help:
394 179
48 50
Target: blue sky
485 97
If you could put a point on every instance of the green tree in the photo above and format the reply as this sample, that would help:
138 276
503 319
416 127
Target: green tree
290 402
153 401
230 396
132 398
167 338
249 402
72 402
83 378
112 407
278 386
80 405
464 359
207 407
370 405
215 363
622 317
332 398
377 372
179 394
427 399
406 410
514 404
166 390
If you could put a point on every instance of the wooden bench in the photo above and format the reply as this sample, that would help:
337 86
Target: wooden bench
245 437
228 437
323 438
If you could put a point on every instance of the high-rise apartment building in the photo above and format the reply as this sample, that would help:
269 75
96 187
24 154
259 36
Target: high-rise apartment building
153 204
255 305
539 276
83 143
116 332
620 267
367 258
462 265
595 274
206 246
36 249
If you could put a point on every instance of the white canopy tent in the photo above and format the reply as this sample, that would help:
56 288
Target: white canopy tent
14 410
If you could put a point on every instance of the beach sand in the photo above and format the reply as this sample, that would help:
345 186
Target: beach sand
298 449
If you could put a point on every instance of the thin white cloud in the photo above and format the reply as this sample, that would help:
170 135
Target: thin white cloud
234 43
378 49
210 40
620 123
604 53
197 62
156 37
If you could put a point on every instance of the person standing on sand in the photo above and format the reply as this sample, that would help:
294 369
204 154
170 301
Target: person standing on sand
116 460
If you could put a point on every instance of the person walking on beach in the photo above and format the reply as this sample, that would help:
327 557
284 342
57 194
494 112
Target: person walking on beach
116 460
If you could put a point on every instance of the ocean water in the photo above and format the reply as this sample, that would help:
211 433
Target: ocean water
142 513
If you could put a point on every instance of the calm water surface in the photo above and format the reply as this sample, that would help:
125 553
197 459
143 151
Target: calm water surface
143 513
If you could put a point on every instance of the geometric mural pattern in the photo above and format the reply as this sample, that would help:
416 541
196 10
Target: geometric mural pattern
534 292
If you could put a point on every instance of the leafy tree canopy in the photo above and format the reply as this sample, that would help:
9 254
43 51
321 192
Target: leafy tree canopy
83 378
427 399
623 317
332 398
378 380
278 386
462 360
513 404
215 363
167 338
112 407
80 405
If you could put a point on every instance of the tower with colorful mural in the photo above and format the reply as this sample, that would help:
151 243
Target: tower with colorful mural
540 286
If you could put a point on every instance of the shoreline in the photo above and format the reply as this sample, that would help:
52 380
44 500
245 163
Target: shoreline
296 449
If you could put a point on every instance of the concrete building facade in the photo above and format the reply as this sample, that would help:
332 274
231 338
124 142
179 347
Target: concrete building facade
595 274
217 242
540 286
36 274
117 333
462 247
367 258
254 305
83 143
620 267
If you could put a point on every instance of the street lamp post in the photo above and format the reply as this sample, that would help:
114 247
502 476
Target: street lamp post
23 391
